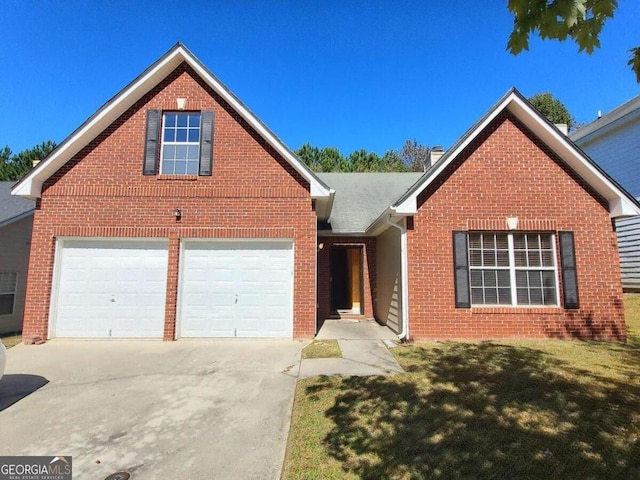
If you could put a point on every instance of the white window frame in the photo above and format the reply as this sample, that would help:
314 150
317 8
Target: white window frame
7 292
164 143
512 268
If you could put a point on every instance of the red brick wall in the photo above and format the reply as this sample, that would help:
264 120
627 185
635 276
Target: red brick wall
253 192
507 173
368 246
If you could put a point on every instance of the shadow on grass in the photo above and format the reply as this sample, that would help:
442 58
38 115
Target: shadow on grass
485 411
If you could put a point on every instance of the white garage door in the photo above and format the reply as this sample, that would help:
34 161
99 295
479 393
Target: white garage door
236 289
110 288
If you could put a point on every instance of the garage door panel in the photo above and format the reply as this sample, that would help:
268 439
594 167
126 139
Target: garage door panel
111 288
236 289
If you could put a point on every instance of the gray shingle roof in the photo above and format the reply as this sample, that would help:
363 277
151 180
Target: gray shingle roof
12 206
361 197
627 108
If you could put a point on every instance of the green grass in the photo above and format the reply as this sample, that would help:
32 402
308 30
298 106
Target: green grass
322 349
508 410
11 339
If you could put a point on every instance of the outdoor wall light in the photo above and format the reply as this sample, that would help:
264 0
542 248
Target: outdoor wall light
177 213
512 223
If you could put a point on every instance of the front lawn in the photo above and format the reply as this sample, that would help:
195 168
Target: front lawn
508 410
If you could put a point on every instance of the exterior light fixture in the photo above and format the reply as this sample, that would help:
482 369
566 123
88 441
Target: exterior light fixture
177 213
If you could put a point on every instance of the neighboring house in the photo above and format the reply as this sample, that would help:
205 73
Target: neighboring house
613 141
16 219
174 212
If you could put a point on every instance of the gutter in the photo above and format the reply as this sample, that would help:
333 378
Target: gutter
404 334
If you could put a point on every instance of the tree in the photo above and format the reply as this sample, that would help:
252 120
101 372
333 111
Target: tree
552 108
580 20
14 167
415 155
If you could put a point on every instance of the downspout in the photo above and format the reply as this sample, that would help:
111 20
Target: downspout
404 334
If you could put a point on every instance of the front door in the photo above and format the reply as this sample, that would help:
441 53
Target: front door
346 279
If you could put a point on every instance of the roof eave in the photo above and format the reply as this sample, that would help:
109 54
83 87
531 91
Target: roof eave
16 218
31 185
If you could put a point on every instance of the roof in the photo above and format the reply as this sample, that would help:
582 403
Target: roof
13 208
625 112
31 185
361 197
621 203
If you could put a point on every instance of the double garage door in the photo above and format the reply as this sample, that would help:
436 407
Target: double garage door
117 288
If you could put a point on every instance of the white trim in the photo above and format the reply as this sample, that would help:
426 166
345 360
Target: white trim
404 275
31 185
620 203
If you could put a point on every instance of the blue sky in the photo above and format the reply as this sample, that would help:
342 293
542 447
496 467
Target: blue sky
354 74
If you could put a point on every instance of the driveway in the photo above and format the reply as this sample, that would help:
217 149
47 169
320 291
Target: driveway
180 410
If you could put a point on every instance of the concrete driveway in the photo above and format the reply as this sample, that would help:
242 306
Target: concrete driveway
180 410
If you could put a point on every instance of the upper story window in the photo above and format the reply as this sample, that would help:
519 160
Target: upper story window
8 284
180 143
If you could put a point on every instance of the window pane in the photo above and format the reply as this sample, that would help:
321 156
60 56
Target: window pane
521 279
181 152
519 242
181 135
503 278
167 167
547 258
503 258
549 279
170 120
8 282
474 240
520 258
523 296
169 152
192 168
491 296
502 242
476 296
476 278
489 258
169 135
504 296
488 242
181 167
182 119
535 279
6 304
194 135
534 258
194 120
490 279
192 152
549 296
535 295
533 242
545 242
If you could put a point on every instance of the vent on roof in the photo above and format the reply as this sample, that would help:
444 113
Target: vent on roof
435 154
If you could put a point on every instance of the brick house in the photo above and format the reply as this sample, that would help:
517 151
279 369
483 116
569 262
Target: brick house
174 212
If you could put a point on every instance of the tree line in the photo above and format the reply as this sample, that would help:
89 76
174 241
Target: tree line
14 166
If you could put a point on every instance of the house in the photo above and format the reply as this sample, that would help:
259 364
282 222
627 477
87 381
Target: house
16 218
173 212
613 141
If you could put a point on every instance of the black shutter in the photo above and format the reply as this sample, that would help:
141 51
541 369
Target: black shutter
569 276
206 142
151 142
461 270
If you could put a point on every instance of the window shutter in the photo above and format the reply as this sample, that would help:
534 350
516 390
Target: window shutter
461 270
206 142
151 144
569 276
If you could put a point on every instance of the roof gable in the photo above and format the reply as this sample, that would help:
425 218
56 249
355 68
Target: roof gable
620 202
31 185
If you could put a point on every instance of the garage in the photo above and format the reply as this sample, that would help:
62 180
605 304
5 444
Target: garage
109 288
236 288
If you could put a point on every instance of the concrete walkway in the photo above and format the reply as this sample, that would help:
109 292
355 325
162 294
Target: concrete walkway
364 350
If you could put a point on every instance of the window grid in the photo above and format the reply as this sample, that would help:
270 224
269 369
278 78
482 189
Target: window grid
8 285
180 143
513 269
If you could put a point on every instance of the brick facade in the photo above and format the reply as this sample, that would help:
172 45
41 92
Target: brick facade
253 193
368 245
507 172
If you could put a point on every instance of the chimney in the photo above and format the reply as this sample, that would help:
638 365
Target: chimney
35 162
435 154
563 127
